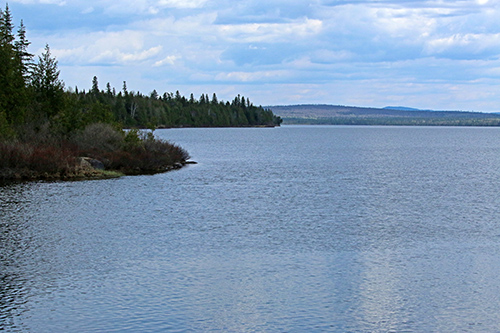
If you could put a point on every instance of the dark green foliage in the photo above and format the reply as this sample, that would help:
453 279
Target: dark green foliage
6 27
135 110
47 88
14 61
21 47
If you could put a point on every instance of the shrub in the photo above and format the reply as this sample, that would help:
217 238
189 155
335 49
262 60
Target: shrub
35 160
146 154
99 137
131 153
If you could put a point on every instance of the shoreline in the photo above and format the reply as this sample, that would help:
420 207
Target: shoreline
8 175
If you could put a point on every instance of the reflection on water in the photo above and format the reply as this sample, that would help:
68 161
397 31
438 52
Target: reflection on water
289 229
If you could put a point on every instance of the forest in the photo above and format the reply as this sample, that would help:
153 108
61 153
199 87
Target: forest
45 129
167 110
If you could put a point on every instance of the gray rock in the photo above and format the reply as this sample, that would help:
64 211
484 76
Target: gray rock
91 163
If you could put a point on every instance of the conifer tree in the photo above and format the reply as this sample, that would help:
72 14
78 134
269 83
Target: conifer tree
47 86
13 97
6 27
21 47
95 86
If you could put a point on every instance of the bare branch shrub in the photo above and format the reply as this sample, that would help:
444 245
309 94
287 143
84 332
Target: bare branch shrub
99 137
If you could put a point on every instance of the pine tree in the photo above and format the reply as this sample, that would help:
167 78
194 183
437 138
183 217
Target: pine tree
124 89
47 86
6 27
21 47
95 86
13 93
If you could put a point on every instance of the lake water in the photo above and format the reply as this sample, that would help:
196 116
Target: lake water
291 229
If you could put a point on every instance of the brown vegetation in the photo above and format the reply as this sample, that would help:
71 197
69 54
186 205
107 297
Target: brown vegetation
43 156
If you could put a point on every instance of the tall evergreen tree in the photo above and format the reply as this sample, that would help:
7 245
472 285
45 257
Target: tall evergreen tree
21 47
6 27
95 86
13 98
47 86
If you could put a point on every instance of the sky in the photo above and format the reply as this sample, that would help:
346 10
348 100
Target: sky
435 54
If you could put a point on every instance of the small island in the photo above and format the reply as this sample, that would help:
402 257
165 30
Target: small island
50 132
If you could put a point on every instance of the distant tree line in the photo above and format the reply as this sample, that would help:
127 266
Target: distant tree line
493 120
133 109
32 97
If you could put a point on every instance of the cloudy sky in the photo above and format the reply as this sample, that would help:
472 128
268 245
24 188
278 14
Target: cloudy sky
433 54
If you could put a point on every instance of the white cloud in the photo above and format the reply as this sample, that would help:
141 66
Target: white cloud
45 2
169 60
270 32
116 48
53 2
252 76
281 50
182 3
474 43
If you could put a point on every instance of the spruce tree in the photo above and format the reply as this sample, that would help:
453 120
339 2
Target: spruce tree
47 86
6 27
21 47
95 86
13 97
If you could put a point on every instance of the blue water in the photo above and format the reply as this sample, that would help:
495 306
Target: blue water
299 228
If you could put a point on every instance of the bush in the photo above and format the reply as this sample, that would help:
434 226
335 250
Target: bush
131 153
99 137
35 160
142 152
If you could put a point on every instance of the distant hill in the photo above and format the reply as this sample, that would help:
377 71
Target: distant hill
351 115
403 108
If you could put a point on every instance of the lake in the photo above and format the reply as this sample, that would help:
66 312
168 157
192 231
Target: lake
291 229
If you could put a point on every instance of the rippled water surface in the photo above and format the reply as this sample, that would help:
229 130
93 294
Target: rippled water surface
290 229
